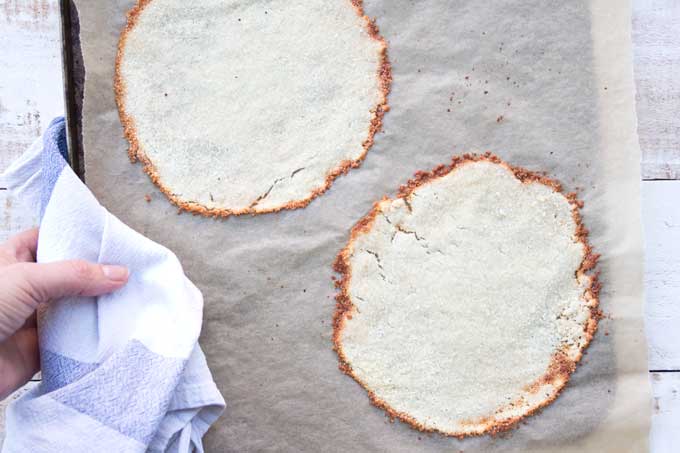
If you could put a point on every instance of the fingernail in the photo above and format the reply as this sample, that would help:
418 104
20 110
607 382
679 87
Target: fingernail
115 273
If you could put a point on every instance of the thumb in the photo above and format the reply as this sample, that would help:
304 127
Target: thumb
24 286
43 282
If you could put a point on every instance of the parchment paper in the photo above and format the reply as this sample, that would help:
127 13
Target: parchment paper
544 84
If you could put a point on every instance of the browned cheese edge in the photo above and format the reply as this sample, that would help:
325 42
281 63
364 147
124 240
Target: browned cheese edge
560 367
135 151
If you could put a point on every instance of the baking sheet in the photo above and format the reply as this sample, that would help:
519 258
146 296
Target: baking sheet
544 84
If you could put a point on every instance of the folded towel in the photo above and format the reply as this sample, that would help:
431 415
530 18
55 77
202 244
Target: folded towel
121 372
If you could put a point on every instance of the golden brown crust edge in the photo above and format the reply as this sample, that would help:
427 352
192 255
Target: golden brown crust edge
561 366
135 152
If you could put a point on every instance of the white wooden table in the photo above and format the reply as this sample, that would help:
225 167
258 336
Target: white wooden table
31 94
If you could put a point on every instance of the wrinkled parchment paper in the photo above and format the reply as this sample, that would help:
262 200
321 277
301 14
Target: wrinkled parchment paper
544 84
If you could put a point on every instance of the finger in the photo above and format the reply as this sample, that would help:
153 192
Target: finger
43 282
19 360
24 245
31 322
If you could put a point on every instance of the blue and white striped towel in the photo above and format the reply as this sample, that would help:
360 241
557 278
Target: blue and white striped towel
122 372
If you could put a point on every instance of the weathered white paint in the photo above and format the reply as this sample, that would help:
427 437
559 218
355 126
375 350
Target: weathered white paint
656 51
661 219
665 432
31 91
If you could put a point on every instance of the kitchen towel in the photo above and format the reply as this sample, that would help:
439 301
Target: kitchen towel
121 372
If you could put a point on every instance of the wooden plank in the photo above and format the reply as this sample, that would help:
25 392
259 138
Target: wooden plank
656 51
31 91
661 219
665 432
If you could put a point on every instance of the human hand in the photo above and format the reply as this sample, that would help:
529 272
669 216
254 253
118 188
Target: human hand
24 285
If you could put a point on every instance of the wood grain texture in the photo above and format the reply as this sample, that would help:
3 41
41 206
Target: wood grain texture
665 432
31 92
661 221
656 51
